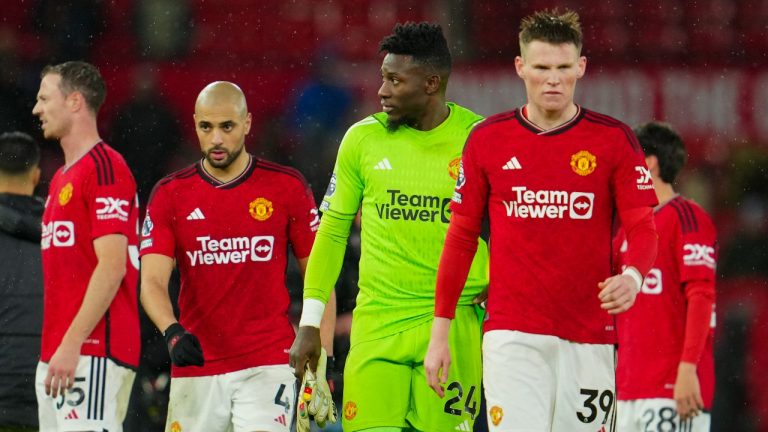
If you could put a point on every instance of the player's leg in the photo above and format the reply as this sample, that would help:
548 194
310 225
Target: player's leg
460 407
658 414
200 404
46 405
519 375
263 399
98 400
376 384
586 388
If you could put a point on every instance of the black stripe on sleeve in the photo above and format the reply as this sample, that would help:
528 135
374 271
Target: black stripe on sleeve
99 172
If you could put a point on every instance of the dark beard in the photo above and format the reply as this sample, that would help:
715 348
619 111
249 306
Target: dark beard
227 161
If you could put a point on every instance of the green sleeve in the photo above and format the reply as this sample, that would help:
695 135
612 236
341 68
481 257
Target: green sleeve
339 207
326 258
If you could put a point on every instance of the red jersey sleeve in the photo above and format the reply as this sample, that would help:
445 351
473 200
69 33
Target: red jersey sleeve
157 229
111 199
632 184
471 193
697 253
304 220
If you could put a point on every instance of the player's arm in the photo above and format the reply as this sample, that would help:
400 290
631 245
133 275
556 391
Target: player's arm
323 268
156 272
617 293
111 255
328 322
700 295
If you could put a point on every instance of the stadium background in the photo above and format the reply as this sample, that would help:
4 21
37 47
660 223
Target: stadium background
310 68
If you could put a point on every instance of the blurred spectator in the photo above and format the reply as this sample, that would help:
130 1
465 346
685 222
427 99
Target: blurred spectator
318 119
70 27
163 28
146 131
15 114
21 285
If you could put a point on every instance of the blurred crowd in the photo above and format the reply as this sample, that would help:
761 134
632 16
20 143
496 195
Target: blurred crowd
305 98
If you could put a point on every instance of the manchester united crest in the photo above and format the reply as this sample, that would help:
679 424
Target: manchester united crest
453 167
583 163
65 194
350 410
496 415
175 427
260 209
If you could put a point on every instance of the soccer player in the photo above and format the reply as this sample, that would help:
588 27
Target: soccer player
399 166
665 377
227 222
551 176
90 341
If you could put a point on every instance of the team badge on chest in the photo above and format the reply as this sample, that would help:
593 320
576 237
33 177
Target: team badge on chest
453 167
260 209
65 194
583 163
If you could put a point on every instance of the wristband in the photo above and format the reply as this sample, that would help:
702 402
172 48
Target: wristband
312 313
635 275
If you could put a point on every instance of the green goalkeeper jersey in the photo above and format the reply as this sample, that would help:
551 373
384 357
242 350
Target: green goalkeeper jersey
403 182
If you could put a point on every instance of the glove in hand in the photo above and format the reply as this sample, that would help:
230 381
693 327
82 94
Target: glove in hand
183 346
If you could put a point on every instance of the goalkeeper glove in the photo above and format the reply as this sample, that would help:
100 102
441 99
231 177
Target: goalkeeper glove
316 399
183 346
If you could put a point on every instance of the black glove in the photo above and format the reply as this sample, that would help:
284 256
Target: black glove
183 346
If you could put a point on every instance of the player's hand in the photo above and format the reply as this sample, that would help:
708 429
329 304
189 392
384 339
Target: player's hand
617 293
183 346
321 406
437 362
687 391
305 350
61 369
481 298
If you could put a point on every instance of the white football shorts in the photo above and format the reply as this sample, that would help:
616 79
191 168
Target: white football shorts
97 401
536 383
260 398
657 414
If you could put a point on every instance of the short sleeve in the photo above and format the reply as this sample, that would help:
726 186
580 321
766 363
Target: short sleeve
157 228
303 220
471 192
345 189
111 200
632 183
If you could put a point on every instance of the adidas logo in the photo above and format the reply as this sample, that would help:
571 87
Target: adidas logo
383 165
465 427
281 419
196 215
72 415
512 164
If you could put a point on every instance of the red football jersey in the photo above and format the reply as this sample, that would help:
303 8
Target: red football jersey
652 332
230 241
551 197
94 197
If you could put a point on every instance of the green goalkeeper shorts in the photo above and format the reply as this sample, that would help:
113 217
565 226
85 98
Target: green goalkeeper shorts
385 383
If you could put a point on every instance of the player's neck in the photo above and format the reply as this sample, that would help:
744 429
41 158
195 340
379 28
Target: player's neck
547 120
664 192
79 141
230 172
435 114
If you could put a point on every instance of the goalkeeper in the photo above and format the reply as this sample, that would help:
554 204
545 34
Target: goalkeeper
399 167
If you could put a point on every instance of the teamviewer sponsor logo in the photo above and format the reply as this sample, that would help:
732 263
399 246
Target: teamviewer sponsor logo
58 233
236 250
417 208
549 204
112 208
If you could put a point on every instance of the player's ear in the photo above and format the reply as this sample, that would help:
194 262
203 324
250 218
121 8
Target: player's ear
247 124
582 66
432 84
653 164
519 63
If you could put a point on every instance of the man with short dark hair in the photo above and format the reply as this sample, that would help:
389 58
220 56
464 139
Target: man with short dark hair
666 373
398 167
21 283
90 342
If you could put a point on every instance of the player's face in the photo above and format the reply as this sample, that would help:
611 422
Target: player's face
550 72
221 129
403 92
52 107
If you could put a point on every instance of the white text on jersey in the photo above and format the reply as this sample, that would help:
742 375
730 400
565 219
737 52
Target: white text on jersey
549 204
235 250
